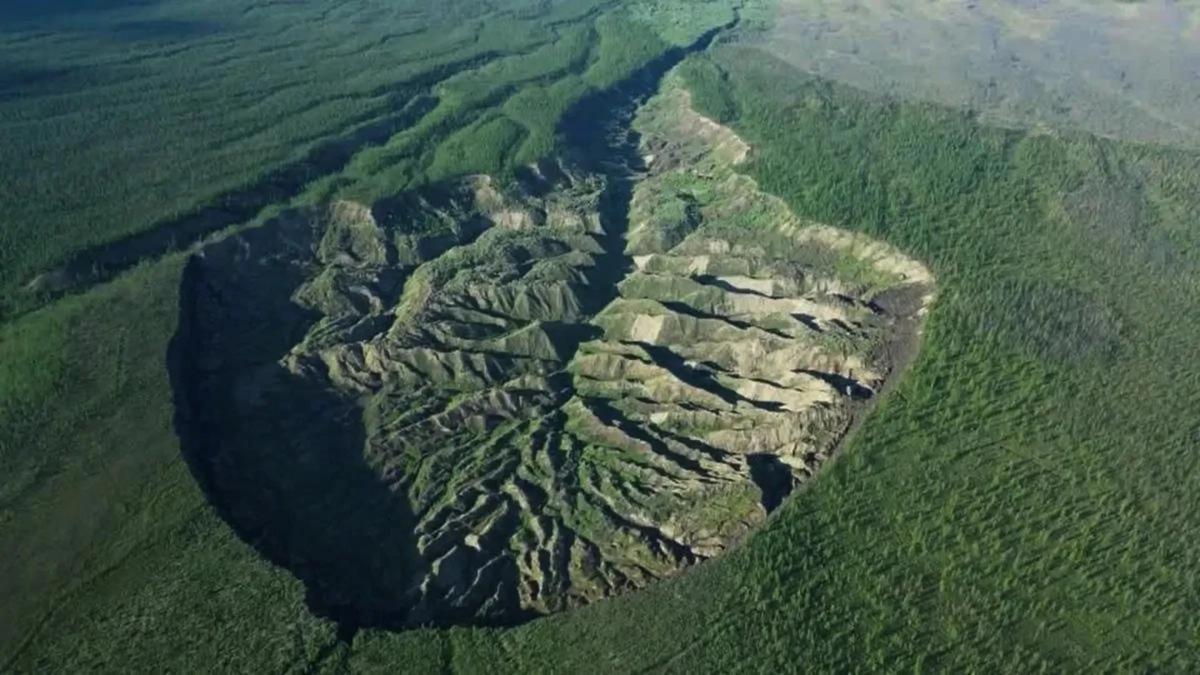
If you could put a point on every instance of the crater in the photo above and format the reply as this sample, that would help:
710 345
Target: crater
482 403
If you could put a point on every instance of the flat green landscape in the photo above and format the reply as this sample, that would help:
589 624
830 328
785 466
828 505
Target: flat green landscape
541 335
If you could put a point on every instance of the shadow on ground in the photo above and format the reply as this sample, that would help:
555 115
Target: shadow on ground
278 455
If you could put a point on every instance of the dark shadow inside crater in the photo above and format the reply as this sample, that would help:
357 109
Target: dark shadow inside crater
773 478
280 455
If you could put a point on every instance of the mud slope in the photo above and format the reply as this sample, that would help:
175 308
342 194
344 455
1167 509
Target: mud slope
477 404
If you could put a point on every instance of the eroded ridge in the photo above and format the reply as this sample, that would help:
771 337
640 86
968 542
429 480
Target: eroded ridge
495 403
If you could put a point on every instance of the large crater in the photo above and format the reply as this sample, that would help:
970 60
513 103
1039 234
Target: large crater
475 403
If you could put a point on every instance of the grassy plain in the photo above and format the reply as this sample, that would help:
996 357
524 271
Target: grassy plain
1024 500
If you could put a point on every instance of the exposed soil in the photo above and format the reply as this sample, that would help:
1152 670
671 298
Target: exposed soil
502 401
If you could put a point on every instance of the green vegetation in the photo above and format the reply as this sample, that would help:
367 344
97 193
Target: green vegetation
128 115
1023 500
114 132
99 514
488 146
506 115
